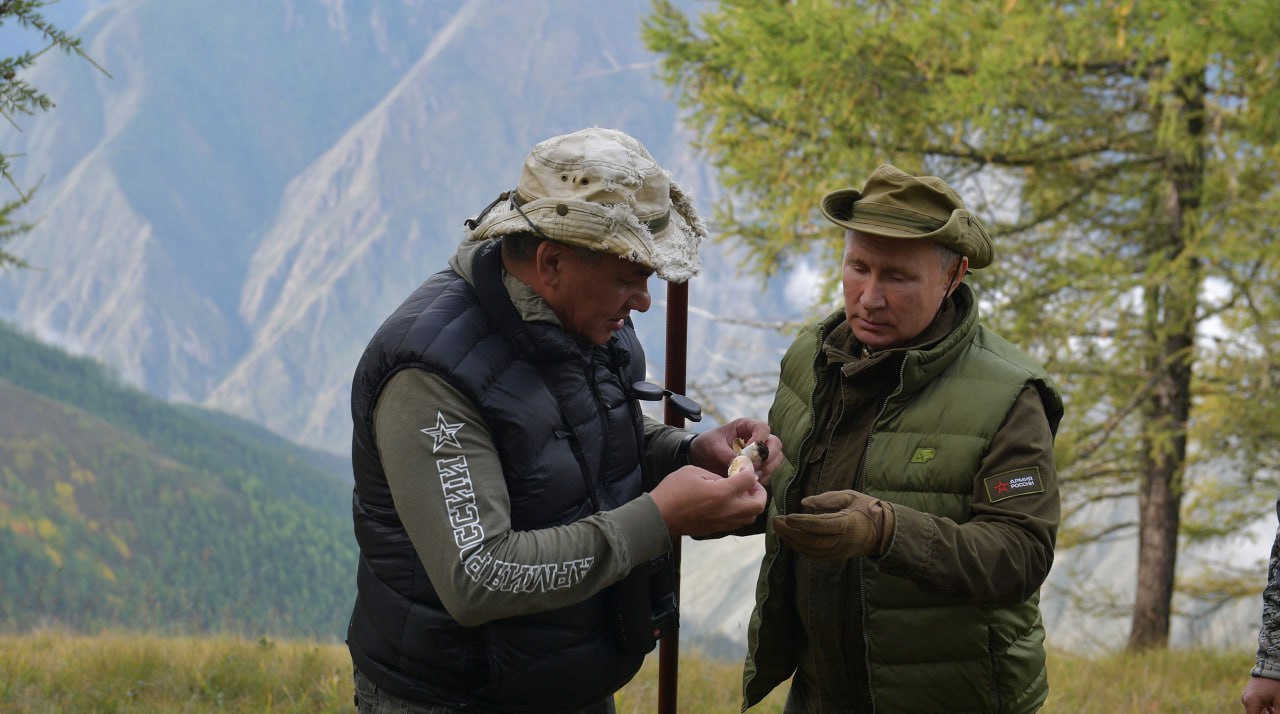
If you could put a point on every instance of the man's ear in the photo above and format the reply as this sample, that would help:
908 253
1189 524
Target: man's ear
962 269
550 262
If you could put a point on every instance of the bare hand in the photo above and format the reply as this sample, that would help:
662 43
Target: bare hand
713 450
1261 696
697 502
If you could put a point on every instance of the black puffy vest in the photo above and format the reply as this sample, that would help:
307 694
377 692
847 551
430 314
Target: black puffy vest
544 397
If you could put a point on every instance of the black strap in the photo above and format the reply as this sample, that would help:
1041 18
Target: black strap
486 268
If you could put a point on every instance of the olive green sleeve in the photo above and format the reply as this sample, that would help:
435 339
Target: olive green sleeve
450 493
660 442
1003 553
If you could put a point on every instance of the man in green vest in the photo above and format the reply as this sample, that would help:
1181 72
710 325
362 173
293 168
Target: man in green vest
914 517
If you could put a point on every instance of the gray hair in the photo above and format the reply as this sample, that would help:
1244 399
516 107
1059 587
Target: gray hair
947 258
522 246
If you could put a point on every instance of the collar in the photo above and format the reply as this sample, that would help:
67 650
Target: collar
843 348
529 305
537 340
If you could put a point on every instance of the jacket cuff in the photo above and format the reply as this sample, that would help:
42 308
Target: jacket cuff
913 542
665 448
1264 667
642 528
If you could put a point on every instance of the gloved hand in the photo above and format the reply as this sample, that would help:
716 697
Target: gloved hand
840 525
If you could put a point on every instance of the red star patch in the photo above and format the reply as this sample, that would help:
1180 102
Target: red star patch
1018 482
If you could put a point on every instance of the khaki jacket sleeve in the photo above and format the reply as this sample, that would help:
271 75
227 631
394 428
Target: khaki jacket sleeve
660 442
450 493
1003 553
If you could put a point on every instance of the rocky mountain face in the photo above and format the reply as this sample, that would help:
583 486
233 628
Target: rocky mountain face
226 219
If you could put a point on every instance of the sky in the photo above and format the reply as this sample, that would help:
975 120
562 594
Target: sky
64 14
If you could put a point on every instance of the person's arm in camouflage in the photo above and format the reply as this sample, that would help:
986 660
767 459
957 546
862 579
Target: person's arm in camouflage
1263 691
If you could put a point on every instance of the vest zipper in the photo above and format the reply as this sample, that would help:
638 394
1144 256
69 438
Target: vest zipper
786 494
860 484
604 426
581 457
576 446
617 367
801 454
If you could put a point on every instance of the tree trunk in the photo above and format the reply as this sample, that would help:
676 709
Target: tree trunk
1163 462
1171 314
1160 500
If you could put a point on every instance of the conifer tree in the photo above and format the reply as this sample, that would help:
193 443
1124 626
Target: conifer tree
19 99
1127 156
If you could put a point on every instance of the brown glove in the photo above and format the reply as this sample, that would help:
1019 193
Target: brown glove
840 525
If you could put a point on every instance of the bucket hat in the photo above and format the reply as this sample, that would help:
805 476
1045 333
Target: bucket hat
600 189
894 204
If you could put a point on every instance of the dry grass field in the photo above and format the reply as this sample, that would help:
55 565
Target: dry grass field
54 672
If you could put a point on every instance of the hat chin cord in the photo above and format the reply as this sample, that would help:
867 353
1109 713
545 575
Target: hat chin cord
951 285
471 223
536 230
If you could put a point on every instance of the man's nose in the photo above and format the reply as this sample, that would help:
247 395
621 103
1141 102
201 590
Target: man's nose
872 296
640 299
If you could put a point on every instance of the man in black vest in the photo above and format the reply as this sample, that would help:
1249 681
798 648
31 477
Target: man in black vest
512 504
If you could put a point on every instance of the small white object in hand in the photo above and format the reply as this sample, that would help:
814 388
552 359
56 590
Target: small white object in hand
753 455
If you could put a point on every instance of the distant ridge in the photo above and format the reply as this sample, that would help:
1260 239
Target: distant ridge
119 510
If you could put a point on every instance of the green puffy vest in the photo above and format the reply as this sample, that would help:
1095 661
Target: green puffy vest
922 649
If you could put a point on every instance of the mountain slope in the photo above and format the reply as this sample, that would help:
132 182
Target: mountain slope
382 209
119 510
158 179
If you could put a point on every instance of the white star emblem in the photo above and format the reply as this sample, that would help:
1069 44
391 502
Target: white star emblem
444 433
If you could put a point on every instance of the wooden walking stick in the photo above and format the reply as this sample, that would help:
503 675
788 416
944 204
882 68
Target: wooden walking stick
677 344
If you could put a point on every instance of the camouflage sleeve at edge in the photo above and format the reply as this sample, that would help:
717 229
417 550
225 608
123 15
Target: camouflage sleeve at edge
1268 664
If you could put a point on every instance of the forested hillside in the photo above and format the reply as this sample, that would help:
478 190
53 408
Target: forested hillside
118 509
